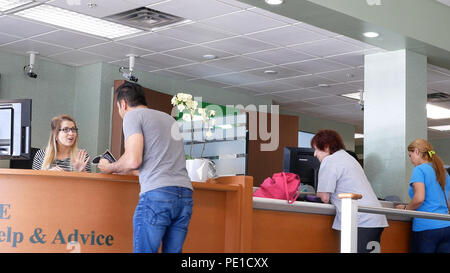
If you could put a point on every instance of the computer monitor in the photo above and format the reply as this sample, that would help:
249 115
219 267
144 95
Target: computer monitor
302 161
15 133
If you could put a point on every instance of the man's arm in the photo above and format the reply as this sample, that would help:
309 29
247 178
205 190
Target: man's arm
130 160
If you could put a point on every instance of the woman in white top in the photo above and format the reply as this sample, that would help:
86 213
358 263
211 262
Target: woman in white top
62 153
341 173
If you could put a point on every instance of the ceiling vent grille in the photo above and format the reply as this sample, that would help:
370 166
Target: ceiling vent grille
145 18
438 97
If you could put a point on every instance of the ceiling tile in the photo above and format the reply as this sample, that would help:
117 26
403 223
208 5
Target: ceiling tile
5 38
273 15
103 7
287 35
235 78
345 75
353 58
301 94
22 28
200 70
21 47
268 87
69 39
275 99
195 9
114 50
337 89
164 61
171 74
240 45
316 66
437 76
324 48
196 53
330 100
307 81
297 105
443 86
154 42
234 22
280 56
78 58
238 63
195 33
209 83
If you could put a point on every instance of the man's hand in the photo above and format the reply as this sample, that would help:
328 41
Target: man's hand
105 166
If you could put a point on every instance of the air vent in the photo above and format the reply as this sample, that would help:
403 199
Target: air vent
145 18
438 97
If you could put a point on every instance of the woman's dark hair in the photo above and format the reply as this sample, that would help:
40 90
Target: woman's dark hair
328 138
132 93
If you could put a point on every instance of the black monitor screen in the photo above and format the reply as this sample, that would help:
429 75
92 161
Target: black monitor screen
302 161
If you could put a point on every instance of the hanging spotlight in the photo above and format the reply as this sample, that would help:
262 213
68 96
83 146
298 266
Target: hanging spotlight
28 69
127 72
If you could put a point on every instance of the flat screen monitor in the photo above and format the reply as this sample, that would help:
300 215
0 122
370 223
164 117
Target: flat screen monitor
15 133
302 161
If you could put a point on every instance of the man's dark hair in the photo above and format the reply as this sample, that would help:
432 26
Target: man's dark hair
132 93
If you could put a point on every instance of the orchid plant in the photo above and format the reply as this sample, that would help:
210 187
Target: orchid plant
184 102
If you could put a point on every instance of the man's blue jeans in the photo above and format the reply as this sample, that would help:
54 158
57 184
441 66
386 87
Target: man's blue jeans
162 216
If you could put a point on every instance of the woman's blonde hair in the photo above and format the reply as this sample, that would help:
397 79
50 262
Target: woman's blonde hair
51 150
428 154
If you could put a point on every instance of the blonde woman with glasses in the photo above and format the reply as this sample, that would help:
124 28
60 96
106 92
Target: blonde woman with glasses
62 153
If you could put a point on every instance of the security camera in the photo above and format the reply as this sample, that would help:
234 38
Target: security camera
129 73
28 69
30 73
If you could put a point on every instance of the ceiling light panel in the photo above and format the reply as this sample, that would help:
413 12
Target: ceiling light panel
76 21
441 128
437 112
11 4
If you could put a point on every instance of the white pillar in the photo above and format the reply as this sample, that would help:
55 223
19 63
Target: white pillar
349 222
395 89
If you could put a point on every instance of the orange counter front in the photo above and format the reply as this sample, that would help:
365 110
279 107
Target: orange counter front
45 211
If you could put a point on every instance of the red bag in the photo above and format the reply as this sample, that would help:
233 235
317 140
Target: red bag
280 186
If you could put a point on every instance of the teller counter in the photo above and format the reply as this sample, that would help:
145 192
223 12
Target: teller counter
47 211
306 227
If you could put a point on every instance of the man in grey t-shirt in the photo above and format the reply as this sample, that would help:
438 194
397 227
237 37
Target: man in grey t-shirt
165 201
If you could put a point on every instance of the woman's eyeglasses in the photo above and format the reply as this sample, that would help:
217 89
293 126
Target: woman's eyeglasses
67 130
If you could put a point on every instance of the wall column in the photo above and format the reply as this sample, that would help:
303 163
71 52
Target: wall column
395 95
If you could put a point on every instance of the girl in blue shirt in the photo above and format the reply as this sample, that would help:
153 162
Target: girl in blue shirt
429 190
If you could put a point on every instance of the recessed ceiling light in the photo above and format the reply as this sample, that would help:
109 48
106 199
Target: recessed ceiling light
371 34
270 72
209 56
77 21
437 112
274 2
11 4
441 128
